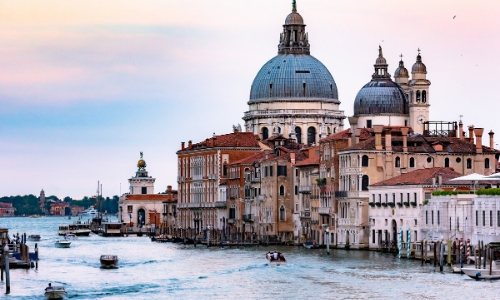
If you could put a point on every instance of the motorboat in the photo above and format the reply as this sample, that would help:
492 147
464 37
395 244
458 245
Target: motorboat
63 243
34 237
310 245
70 236
275 258
55 292
109 261
91 211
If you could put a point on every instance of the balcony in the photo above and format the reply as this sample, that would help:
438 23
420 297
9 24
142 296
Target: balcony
305 189
220 204
248 218
230 221
305 214
255 179
341 194
347 194
261 198
324 210
212 177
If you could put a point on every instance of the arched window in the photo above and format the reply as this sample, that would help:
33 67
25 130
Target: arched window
282 190
487 163
311 135
329 131
282 213
364 183
265 133
412 162
298 134
364 161
397 162
469 163
418 96
447 162
424 96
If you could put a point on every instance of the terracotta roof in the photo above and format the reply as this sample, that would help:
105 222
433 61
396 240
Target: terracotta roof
248 160
235 139
309 161
344 134
424 177
420 144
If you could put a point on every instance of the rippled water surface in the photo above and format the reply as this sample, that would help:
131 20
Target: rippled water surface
149 270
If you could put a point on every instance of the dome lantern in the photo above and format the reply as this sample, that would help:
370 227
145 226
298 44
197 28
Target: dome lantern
418 66
294 39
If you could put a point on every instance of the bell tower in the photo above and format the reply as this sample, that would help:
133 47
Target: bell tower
141 183
419 96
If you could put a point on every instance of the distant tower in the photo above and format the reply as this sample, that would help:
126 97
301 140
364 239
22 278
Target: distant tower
419 96
141 183
41 202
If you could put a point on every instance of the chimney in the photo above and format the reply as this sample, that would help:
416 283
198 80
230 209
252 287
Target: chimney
169 191
378 136
353 121
471 134
182 146
214 141
357 134
433 180
478 132
267 153
404 132
461 130
440 180
190 144
349 139
492 141
388 139
292 158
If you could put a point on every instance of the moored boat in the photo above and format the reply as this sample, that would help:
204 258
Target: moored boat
55 292
482 273
276 258
109 261
310 245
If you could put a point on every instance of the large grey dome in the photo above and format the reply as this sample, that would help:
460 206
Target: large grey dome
380 97
294 77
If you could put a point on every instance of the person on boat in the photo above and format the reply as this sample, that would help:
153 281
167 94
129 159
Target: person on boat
49 287
275 254
282 258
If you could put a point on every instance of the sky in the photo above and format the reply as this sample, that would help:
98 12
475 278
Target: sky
85 85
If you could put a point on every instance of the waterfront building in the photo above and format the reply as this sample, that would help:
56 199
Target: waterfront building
397 203
307 207
59 209
202 178
141 207
393 153
294 94
76 209
169 220
7 210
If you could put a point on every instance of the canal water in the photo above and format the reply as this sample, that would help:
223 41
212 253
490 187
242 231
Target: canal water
149 270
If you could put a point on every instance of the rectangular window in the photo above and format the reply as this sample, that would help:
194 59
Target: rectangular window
432 217
373 236
232 213
393 198
498 218
491 218
439 218
386 198
129 209
368 123
477 218
484 218
281 170
379 198
144 190
271 171
415 197
373 197
296 190
426 217
296 207
428 195
408 197
297 172
265 172
401 197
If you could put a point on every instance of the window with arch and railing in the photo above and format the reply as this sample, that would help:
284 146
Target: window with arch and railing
397 162
265 133
282 213
412 162
364 161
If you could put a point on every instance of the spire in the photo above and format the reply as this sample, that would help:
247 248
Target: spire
294 6
380 66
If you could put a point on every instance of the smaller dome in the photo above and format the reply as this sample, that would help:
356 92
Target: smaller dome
294 18
401 71
419 66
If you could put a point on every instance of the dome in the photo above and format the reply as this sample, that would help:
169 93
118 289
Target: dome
419 67
294 77
294 18
381 61
380 97
401 71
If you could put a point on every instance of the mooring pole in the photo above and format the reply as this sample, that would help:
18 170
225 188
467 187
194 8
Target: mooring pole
6 260
36 255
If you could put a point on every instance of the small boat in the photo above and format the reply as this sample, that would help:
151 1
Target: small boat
276 258
310 245
55 292
63 243
34 237
482 273
109 261
70 236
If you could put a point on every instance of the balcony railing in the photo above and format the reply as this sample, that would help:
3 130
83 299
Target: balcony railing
248 218
276 112
305 214
306 189
220 204
341 194
324 210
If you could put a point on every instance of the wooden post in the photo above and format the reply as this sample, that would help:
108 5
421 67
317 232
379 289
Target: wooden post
36 255
435 255
491 259
422 250
479 254
7 275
